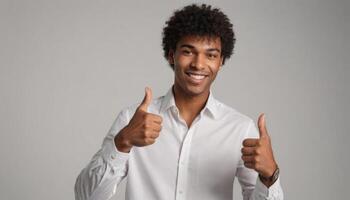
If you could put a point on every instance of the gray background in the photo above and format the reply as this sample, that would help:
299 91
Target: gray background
68 67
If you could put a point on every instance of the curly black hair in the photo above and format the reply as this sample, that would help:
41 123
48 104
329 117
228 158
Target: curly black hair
199 20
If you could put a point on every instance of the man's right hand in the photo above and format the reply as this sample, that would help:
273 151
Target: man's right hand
143 128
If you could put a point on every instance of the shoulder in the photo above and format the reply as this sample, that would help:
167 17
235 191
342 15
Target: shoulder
226 112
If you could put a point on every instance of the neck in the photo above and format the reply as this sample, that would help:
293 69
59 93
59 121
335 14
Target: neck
189 106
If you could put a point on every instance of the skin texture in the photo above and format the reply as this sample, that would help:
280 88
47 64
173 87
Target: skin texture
257 154
197 61
194 55
143 128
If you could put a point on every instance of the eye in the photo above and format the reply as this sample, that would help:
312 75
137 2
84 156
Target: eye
186 52
212 56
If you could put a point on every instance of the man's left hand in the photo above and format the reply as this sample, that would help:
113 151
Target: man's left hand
257 153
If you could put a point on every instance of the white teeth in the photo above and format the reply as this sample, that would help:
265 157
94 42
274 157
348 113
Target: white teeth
197 77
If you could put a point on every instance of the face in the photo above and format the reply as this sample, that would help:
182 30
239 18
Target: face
196 61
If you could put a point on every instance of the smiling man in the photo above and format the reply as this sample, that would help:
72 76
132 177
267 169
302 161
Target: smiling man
186 144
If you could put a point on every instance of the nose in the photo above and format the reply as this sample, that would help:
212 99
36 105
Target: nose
198 61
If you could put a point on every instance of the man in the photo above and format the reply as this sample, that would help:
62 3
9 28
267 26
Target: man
186 144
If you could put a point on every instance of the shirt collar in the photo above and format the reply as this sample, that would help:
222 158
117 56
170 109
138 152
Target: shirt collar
211 106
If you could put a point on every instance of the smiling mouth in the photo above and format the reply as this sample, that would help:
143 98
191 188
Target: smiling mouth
196 76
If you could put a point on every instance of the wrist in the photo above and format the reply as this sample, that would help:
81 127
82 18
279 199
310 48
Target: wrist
268 174
269 180
122 143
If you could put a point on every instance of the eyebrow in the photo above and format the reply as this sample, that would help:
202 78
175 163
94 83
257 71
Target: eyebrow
192 47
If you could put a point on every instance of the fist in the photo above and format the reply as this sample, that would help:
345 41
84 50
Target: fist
257 153
143 128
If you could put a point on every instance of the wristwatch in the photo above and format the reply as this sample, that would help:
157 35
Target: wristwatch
272 178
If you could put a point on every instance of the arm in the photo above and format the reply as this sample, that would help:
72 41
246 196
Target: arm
253 188
257 159
107 168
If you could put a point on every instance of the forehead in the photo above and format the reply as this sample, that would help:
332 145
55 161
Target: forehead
200 42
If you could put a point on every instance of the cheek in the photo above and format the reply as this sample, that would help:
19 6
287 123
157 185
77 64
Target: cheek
182 61
178 72
214 70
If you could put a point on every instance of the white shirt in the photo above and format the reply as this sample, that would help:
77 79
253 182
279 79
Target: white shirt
196 163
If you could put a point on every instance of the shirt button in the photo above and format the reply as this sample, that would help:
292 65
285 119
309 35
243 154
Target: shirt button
113 157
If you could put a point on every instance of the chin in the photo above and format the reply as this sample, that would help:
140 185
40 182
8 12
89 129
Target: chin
195 90
191 88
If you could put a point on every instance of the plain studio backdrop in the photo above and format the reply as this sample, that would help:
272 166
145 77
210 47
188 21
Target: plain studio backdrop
68 67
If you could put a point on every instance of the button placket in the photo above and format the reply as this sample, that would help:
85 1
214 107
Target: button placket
182 165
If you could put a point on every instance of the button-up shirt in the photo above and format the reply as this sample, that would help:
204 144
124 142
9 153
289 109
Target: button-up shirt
195 163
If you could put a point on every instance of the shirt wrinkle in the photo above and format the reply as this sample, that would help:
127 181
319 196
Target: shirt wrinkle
183 164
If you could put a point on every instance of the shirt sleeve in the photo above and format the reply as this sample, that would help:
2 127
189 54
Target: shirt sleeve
252 187
107 168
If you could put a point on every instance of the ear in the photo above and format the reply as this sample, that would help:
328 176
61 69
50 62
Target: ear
171 57
221 61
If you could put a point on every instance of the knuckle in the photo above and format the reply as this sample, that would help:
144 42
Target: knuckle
147 125
148 133
156 135
146 140
149 141
257 151
256 159
156 127
146 116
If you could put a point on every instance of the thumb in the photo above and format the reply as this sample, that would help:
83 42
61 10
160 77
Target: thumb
146 100
262 126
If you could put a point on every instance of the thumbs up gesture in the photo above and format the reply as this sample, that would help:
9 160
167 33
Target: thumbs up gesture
143 128
257 153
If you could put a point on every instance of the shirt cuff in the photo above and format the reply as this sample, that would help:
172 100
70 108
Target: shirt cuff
113 156
266 192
